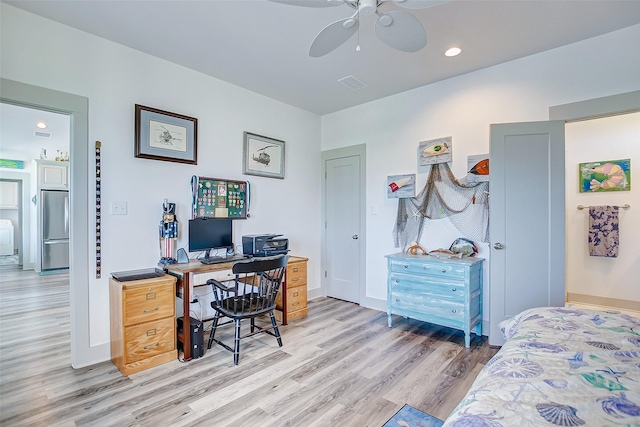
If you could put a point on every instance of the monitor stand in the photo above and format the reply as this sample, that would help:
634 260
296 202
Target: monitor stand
207 255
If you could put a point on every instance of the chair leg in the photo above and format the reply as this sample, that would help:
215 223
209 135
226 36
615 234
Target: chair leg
253 324
275 328
213 330
236 344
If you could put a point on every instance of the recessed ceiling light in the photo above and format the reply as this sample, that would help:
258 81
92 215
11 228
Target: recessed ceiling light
41 125
454 51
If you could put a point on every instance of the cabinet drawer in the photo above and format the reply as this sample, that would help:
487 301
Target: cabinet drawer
427 285
296 274
428 268
428 305
296 298
148 339
145 303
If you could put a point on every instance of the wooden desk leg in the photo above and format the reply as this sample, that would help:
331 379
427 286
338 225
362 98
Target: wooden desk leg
186 316
284 300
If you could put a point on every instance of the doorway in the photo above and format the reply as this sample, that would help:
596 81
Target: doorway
343 216
585 110
10 222
29 135
77 107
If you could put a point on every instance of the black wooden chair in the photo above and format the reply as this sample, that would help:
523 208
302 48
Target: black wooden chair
251 294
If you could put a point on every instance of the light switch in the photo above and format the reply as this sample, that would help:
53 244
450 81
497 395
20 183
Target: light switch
118 208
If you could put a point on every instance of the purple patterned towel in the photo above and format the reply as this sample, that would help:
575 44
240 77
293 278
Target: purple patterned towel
603 231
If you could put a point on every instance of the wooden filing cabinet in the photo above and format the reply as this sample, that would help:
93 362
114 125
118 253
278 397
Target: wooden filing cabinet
143 323
446 292
291 302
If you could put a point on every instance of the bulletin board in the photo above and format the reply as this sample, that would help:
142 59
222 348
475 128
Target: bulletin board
219 198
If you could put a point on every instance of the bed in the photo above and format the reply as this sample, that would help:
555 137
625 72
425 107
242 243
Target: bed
559 366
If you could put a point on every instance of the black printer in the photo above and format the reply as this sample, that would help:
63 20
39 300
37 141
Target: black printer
264 244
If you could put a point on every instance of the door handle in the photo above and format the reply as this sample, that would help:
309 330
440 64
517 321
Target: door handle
498 246
354 237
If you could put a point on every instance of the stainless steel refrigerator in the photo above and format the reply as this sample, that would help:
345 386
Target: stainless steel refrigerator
54 224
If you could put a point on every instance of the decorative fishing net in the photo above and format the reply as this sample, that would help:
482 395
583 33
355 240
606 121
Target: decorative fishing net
465 204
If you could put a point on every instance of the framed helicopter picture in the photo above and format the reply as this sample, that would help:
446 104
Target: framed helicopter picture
161 135
263 156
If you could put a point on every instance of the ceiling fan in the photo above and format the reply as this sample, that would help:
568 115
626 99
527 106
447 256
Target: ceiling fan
400 30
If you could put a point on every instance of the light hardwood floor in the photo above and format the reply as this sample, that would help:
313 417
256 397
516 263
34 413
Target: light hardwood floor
341 365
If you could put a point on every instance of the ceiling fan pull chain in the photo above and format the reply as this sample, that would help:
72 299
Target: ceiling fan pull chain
358 45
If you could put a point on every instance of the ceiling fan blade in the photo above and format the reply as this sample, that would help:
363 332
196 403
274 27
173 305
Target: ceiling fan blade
419 4
332 36
311 3
401 31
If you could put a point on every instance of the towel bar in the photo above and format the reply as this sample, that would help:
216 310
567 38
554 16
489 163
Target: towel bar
625 206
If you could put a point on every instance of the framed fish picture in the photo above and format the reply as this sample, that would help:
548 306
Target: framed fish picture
607 175
401 186
477 168
435 151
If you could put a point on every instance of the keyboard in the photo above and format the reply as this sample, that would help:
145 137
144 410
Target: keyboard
221 259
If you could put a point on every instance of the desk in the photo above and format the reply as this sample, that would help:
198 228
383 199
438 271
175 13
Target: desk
193 273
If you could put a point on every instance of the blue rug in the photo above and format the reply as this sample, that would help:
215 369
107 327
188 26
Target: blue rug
409 416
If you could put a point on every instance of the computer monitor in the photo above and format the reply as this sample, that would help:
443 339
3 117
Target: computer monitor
210 233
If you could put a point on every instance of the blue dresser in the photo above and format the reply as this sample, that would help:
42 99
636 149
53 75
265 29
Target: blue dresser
446 292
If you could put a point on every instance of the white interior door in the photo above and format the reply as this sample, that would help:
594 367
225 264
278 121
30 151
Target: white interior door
527 217
343 242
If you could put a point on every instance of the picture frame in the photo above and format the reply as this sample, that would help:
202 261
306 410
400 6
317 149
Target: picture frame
401 186
435 151
263 156
162 135
605 175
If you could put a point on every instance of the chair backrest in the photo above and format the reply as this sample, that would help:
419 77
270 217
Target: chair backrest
257 283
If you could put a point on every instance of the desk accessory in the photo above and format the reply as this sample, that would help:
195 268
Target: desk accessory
182 256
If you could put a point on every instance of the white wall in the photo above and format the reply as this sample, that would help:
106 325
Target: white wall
114 78
609 138
464 107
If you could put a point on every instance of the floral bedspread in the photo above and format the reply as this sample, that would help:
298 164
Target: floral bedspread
559 366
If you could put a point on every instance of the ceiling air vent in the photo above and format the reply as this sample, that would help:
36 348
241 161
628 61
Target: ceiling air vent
352 83
42 134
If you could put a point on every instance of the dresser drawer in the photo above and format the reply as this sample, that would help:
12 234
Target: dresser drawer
427 304
453 289
296 274
427 267
148 339
145 303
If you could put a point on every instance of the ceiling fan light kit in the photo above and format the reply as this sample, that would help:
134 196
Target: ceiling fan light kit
399 30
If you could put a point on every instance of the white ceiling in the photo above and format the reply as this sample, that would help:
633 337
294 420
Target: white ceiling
263 46
18 127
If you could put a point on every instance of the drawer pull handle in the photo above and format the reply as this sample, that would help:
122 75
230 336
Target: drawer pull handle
397 299
149 311
295 294
406 266
444 271
295 280
396 281
151 295
453 289
454 311
148 347
295 269
151 332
